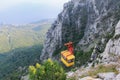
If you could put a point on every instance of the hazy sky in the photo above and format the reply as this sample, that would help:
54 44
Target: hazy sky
26 11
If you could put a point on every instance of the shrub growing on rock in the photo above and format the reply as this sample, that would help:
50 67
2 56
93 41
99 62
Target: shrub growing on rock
48 71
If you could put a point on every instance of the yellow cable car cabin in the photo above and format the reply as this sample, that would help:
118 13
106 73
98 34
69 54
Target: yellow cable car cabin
67 56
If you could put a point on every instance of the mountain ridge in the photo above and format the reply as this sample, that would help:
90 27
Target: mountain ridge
85 21
94 27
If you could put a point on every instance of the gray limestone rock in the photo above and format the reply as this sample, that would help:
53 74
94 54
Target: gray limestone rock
85 22
107 76
117 77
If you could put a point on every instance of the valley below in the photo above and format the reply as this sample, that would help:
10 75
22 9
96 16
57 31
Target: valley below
20 46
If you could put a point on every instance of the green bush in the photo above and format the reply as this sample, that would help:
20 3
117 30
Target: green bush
82 57
48 71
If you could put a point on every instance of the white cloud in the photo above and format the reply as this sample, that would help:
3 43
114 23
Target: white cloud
6 4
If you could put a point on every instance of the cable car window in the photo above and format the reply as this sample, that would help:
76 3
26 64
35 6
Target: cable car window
64 57
72 60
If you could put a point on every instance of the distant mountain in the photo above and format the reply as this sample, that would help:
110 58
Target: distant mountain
20 46
16 36
44 21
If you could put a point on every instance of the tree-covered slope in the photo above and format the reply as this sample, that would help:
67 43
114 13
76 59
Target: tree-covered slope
20 46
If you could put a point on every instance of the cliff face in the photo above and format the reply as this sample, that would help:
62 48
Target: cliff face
85 22
112 50
110 59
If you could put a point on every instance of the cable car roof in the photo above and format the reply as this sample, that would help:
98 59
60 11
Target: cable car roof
70 57
67 55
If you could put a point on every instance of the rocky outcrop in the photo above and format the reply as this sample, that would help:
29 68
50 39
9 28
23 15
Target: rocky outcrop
98 72
112 50
85 22
117 77
53 40
90 78
103 76
81 21
107 76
